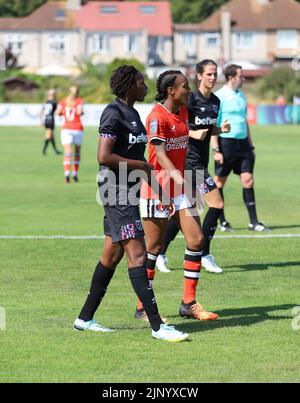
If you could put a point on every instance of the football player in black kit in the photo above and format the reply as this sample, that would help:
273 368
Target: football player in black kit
203 113
123 140
48 120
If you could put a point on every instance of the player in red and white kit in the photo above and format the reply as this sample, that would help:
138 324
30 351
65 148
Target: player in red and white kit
71 108
168 135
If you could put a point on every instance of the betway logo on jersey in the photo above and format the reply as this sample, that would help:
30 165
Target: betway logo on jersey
134 139
205 121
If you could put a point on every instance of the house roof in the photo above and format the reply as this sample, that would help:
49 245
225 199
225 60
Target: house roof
186 27
154 16
255 15
51 15
8 23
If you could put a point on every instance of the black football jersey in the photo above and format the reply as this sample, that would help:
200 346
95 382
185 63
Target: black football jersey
203 114
50 108
123 124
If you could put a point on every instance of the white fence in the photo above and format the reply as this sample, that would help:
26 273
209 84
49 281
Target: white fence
29 114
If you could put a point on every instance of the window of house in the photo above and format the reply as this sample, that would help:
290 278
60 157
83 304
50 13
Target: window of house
57 43
108 9
15 42
147 9
287 39
188 38
245 40
100 43
60 14
212 40
131 43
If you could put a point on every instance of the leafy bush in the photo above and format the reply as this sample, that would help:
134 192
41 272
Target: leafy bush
93 82
281 81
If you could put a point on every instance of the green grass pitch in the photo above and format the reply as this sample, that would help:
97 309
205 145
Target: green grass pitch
45 281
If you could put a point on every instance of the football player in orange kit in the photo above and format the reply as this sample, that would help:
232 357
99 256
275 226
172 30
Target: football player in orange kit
71 108
168 135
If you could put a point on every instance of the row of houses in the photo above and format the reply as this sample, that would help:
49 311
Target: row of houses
62 32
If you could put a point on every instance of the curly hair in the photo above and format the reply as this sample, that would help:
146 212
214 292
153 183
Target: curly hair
165 80
122 79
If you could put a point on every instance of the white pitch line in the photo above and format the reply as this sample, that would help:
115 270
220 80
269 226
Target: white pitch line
92 237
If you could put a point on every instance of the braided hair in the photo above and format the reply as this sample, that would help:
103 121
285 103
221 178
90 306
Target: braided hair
123 78
165 80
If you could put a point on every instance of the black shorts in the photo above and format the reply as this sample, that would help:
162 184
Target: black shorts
201 179
207 185
122 220
49 124
238 157
122 223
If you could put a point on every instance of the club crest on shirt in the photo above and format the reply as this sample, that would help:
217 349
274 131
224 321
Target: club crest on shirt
139 225
161 208
215 108
210 181
153 126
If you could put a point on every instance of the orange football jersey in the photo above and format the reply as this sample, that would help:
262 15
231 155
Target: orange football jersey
72 119
174 131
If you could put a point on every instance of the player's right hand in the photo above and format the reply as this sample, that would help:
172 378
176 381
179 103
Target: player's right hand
219 157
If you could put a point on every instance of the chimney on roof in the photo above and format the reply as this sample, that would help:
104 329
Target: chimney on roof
74 4
226 34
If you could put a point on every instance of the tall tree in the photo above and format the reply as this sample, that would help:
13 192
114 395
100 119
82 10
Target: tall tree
18 8
183 11
194 10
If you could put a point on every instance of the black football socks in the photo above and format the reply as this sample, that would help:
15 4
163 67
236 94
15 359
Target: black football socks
100 282
209 227
143 289
249 199
170 234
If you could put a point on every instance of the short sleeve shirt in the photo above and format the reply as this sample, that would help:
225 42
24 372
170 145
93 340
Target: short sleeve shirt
203 114
122 123
72 120
49 107
234 109
173 130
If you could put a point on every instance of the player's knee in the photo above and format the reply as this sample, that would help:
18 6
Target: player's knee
248 182
155 250
116 258
137 259
196 243
219 205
